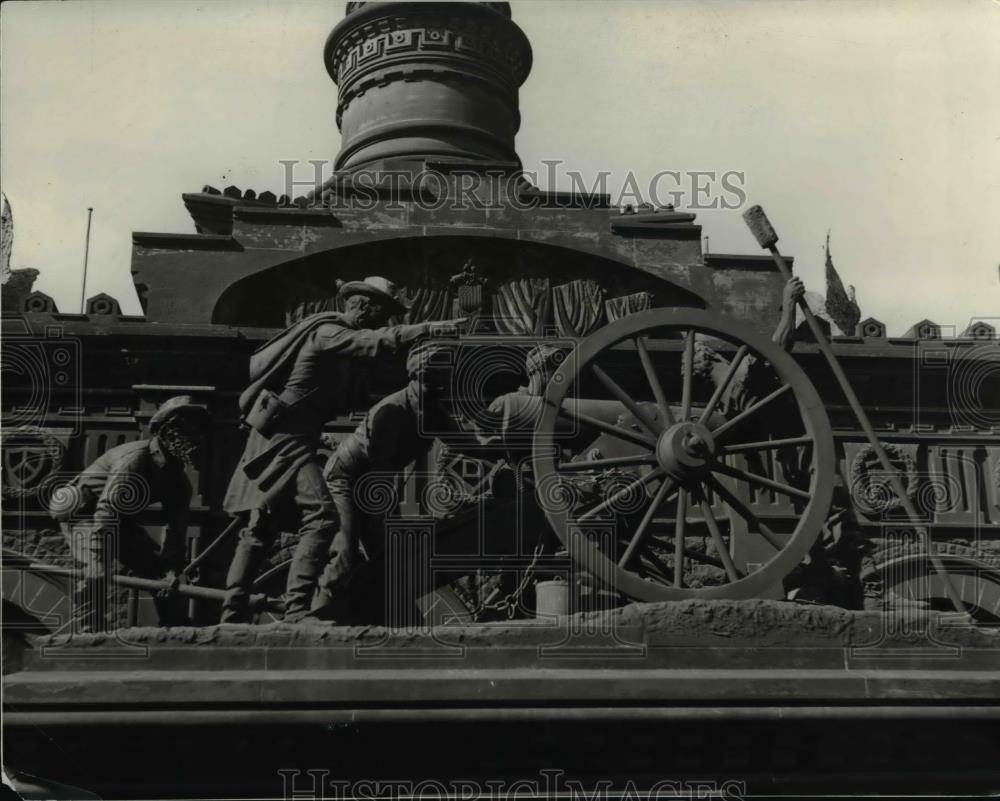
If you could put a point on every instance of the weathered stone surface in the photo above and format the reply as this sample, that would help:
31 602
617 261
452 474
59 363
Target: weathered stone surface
461 70
761 623
38 303
16 288
103 305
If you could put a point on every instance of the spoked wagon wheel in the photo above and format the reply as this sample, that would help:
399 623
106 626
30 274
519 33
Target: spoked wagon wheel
686 457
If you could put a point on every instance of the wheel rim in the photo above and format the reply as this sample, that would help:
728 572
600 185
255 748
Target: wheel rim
681 454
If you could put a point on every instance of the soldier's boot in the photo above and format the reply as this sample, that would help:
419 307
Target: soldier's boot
330 602
308 562
242 570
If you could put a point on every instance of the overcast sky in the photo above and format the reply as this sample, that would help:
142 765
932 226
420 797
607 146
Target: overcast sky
877 120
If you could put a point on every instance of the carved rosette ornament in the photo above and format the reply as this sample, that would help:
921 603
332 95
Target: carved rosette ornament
427 80
870 486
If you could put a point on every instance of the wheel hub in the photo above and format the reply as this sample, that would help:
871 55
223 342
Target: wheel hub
685 450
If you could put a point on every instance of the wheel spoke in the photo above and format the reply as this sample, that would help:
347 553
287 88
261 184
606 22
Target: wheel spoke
760 481
743 511
651 476
625 399
679 527
766 445
723 385
720 544
621 433
602 464
688 375
640 533
730 424
654 381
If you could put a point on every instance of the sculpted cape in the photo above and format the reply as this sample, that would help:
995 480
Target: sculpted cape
308 365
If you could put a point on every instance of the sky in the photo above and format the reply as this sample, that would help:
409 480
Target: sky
876 121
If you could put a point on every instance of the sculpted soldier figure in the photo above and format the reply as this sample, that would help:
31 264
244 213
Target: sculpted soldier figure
98 511
829 573
397 431
297 383
751 376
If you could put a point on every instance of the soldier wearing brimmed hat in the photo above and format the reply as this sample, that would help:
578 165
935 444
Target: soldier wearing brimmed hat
98 510
298 380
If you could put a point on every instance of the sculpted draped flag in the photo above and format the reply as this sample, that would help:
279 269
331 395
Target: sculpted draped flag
578 308
520 307
840 304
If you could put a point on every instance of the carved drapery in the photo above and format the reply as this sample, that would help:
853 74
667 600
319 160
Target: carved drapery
427 303
521 307
577 308
301 309
616 308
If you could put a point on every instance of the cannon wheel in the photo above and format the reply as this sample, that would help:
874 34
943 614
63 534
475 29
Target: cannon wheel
683 453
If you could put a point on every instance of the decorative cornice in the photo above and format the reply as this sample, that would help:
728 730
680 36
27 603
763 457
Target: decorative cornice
738 261
148 239
657 221
501 8
380 43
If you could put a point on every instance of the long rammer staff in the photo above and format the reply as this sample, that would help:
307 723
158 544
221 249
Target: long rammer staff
767 238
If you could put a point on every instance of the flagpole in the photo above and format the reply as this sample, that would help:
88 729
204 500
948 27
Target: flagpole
86 258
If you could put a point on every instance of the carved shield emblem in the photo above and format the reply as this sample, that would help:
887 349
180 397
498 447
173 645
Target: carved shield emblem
470 300
30 455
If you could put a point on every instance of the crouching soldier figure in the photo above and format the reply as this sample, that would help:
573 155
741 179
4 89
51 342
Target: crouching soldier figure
98 512
397 431
298 382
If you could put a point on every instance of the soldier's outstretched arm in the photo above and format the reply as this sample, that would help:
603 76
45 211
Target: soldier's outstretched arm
784 334
371 343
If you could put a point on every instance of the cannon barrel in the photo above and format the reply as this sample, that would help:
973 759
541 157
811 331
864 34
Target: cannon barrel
518 413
